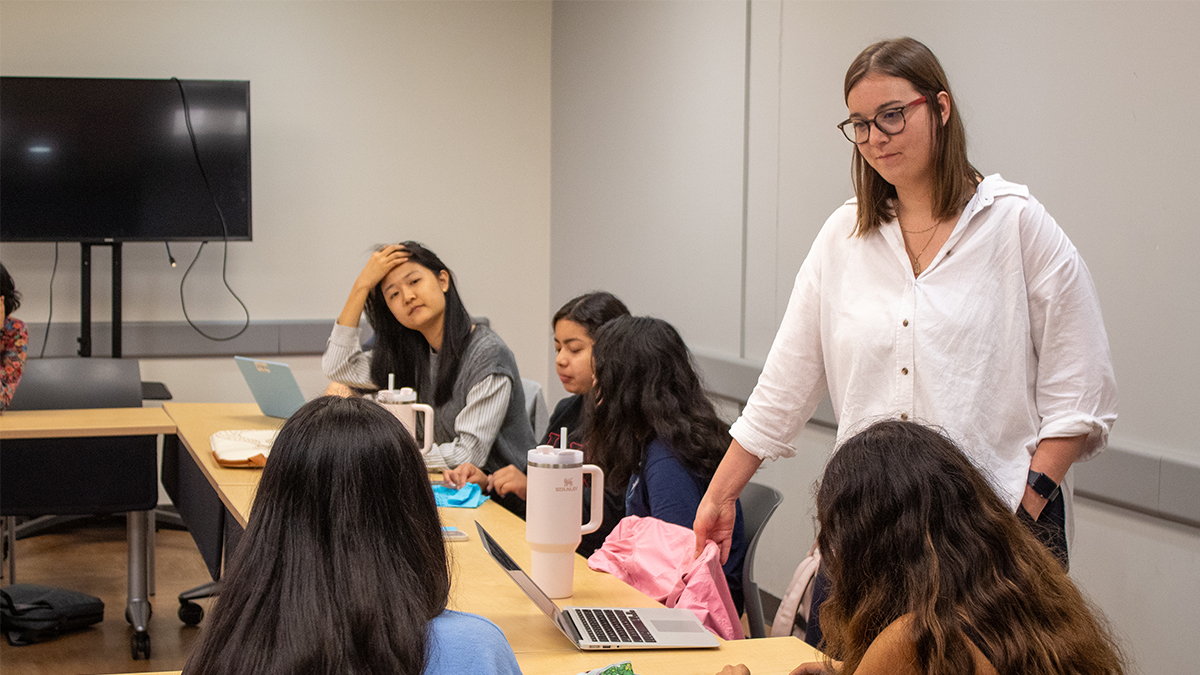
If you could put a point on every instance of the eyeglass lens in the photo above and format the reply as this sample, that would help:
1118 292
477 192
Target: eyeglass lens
890 122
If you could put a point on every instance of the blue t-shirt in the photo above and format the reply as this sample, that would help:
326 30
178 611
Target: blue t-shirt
468 643
664 489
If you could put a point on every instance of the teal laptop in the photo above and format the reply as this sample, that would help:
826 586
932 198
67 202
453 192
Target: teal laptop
273 385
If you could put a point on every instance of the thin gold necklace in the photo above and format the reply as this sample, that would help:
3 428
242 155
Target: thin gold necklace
919 231
916 260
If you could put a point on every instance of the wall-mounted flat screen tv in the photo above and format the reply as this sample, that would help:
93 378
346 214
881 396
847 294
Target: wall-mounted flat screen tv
95 160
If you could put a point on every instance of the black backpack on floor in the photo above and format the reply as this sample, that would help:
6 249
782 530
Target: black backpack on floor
30 613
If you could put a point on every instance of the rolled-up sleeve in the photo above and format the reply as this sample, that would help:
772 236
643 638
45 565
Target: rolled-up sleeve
476 425
1076 388
344 360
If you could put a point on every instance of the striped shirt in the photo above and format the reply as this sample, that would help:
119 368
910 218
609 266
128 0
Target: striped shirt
475 427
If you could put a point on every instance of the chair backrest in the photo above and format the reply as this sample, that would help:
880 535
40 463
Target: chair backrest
535 407
60 476
73 382
758 503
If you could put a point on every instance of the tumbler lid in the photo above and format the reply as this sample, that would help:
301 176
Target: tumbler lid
548 455
402 395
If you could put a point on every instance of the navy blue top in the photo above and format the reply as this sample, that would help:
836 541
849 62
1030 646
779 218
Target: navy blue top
665 489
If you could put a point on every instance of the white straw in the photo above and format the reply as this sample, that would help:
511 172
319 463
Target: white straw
562 435
391 381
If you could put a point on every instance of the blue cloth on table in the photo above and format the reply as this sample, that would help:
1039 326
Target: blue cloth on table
469 496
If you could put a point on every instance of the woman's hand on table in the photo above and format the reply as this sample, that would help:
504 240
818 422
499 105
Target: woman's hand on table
462 474
810 668
506 480
815 668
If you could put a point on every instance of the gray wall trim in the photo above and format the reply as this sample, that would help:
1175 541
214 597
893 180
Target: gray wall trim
176 339
1155 482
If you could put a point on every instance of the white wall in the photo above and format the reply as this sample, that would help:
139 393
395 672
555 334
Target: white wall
370 122
647 170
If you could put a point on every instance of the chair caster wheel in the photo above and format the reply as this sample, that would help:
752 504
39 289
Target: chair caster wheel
139 646
190 613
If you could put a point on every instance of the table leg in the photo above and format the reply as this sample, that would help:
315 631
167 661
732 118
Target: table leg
10 532
137 610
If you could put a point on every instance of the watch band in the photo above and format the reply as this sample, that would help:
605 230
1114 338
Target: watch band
1043 485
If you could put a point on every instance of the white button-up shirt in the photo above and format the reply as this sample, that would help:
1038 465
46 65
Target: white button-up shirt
999 341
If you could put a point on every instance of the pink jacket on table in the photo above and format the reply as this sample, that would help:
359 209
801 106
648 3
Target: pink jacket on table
655 557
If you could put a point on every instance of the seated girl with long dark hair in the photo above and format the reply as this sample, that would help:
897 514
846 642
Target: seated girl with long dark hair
575 325
425 338
342 568
654 430
932 573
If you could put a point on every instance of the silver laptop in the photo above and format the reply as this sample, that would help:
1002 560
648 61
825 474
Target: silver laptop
273 385
608 627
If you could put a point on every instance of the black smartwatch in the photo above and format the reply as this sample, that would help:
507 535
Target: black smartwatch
1043 485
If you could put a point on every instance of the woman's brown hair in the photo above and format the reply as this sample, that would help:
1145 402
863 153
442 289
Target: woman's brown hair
910 527
954 178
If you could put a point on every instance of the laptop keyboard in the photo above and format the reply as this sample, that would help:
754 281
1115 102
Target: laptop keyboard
614 625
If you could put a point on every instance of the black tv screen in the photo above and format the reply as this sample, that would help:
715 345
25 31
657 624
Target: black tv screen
93 159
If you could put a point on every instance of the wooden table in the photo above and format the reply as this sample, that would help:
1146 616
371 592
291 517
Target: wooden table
196 422
16 424
103 422
481 587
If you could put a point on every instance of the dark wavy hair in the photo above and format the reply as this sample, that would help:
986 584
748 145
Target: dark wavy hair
342 566
647 388
404 351
591 310
954 178
909 526
8 288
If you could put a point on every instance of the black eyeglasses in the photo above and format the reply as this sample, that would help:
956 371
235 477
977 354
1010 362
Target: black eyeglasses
889 122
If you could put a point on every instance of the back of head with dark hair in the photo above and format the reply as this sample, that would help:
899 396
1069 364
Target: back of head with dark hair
647 388
909 526
591 310
8 288
404 352
343 565
954 178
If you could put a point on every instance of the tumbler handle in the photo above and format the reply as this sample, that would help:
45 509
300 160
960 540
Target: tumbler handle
597 498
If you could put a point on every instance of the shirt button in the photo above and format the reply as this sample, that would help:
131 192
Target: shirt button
906 322
904 371
904 416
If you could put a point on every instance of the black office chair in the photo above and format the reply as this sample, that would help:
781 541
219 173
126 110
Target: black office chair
85 476
758 503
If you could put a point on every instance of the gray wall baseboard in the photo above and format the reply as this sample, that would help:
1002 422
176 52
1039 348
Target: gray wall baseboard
1158 483
176 339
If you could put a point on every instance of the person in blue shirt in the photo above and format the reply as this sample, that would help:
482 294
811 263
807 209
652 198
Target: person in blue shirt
654 430
342 568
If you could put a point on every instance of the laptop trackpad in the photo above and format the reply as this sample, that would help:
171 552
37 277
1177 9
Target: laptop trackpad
668 626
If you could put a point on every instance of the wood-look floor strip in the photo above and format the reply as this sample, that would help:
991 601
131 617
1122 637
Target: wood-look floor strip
92 559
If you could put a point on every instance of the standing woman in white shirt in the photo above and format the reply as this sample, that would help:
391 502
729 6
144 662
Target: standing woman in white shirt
936 295
425 338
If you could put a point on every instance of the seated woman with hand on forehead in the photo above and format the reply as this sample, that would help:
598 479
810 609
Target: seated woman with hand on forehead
932 573
425 339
